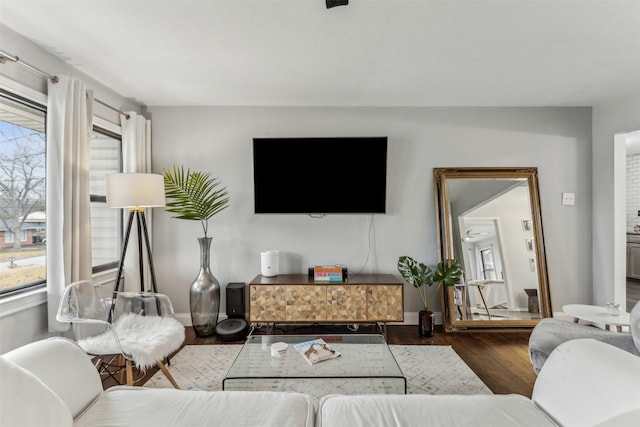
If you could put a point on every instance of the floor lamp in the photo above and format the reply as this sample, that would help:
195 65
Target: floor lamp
136 191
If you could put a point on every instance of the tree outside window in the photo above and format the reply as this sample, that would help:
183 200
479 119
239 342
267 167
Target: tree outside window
22 193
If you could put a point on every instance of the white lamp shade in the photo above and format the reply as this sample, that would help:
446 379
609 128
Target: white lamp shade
132 190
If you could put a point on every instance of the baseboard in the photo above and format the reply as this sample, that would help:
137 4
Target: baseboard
185 318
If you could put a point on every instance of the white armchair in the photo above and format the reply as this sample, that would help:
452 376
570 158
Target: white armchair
122 329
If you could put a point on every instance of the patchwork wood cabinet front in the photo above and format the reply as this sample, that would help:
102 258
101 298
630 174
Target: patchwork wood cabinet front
294 298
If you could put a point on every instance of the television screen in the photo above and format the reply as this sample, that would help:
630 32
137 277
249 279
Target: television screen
320 175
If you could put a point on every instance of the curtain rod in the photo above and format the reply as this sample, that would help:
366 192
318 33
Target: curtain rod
53 79
111 108
14 58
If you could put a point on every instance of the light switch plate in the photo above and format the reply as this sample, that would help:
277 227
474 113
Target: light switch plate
568 199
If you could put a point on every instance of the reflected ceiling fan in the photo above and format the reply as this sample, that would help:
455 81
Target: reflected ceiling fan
470 234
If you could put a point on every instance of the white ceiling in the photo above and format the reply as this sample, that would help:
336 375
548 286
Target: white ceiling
370 53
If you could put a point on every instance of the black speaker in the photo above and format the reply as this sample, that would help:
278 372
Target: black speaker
235 300
235 326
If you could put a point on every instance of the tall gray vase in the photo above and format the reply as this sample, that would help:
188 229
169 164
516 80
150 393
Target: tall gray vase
204 297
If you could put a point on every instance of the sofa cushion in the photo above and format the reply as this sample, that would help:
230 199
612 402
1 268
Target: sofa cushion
429 410
588 382
26 401
140 407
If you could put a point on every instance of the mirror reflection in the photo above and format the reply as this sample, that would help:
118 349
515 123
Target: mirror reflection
489 219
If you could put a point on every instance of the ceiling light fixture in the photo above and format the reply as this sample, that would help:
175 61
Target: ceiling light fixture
334 3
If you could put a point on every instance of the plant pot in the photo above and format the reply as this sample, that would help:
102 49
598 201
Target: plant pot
204 295
426 323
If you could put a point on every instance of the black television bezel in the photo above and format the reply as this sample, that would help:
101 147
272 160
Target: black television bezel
379 207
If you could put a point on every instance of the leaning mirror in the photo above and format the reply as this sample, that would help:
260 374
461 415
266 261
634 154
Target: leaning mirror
489 220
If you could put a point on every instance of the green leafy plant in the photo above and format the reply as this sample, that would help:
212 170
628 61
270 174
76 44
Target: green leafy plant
194 195
420 276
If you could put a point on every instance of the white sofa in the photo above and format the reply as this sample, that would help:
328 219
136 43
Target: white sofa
583 383
53 383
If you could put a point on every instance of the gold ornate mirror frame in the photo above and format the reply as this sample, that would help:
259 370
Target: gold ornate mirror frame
489 219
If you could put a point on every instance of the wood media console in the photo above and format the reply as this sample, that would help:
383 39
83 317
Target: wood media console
297 298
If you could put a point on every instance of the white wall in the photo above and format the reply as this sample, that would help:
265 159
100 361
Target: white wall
13 43
618 116
218 140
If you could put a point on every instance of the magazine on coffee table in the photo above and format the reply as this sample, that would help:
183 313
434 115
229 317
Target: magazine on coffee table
316 350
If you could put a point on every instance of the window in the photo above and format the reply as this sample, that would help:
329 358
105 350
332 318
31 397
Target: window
22 192
106 223
488 269
10 237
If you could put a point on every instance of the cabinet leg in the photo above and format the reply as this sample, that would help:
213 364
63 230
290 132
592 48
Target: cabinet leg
383 329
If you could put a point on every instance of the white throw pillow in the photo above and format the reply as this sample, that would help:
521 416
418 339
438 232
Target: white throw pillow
635 325
26 401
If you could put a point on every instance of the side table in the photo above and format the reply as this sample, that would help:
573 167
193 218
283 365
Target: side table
597 314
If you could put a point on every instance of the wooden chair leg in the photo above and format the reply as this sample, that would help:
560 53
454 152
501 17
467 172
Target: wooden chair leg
129 372
166 373
121 372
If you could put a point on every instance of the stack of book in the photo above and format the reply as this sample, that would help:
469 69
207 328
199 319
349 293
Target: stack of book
327 273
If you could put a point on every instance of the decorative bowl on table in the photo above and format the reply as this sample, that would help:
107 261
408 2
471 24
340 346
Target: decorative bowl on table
613 308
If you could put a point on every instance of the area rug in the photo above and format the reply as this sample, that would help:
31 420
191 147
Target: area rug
428 369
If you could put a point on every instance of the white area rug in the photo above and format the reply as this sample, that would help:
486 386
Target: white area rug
428 369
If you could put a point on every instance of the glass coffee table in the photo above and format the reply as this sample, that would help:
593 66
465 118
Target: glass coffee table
366 366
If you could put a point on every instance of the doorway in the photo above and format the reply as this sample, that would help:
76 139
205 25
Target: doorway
632 218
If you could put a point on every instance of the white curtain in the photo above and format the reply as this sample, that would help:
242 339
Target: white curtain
136 155
69 124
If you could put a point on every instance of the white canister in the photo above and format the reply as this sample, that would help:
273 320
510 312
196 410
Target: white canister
269 262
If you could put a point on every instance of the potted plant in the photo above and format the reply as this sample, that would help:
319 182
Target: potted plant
197 196
421 277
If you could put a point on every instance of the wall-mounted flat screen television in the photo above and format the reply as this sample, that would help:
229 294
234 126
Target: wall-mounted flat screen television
320 175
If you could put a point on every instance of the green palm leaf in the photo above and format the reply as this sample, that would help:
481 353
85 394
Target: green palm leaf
195 196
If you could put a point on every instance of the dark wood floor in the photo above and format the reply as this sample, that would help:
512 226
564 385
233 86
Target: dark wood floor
499 357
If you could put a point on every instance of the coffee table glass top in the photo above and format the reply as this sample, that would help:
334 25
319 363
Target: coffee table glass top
362 356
